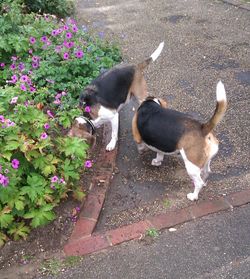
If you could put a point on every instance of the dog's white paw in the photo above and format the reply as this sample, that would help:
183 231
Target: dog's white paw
156 163
111 145
192 197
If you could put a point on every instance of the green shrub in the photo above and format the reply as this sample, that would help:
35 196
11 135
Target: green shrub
61 8
40 88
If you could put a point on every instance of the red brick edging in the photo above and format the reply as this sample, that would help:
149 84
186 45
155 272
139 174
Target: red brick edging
83 241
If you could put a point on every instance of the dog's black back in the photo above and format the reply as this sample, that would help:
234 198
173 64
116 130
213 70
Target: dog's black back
162 128
110 89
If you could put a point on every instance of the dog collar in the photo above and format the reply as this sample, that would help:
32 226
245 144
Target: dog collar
90 123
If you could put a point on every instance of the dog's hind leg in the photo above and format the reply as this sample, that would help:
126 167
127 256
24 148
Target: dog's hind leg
157 160
205 171
114 135
195 174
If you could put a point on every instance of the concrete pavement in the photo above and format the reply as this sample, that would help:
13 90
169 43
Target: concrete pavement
214 247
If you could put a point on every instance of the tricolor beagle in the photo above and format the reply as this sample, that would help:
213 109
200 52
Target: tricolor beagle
167 131
107 94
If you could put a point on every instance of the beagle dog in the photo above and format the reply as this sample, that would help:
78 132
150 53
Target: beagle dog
168 131
110 91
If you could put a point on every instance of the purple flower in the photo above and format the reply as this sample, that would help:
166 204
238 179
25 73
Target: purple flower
14 79
32 40
52 187
59 31
54 179
70 44
87 109
4 180
23 87
46 126
44 39
66 27
66 55
2 119
21 66
15 164
74 28
35 58
2 65
14 100
24 78
43 136
35 65
79 54
58 49
88 164
62 181
32 89
12 66
50 114
57 102
68 35
10 123
54 33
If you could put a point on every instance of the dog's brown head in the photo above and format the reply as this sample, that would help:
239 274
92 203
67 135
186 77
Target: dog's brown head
83 128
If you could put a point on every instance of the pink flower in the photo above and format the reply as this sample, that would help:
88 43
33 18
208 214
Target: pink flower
12 66
14 58
24 78
4 180
87 109
30 51
62 181
35 65
32 40
32 89
54 33
21 66
54 179
57 102
69 35
14 79
66 55
88 164
2 65
79 54
74 28
65 27
35 58
23 87
43 136
14 100
2 119
64 93
15 164
46 126
44 39
50 114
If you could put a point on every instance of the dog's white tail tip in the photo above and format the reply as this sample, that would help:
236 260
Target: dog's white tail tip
220 92
157 52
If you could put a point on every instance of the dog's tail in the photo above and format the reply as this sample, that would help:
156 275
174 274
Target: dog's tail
152 58
221 107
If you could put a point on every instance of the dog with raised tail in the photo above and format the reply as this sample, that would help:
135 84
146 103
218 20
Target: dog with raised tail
168 131
110 91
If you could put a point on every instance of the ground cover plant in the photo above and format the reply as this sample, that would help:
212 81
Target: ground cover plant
44 64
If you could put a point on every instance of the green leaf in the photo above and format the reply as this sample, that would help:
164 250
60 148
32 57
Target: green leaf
5 220
41 216
19 231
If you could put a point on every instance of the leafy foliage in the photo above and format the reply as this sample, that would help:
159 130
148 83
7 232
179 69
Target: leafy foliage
44 64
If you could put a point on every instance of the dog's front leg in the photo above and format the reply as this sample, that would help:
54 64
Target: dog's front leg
114 135
157 160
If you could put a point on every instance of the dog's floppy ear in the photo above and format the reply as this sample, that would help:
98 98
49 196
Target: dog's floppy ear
163 103
87 97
